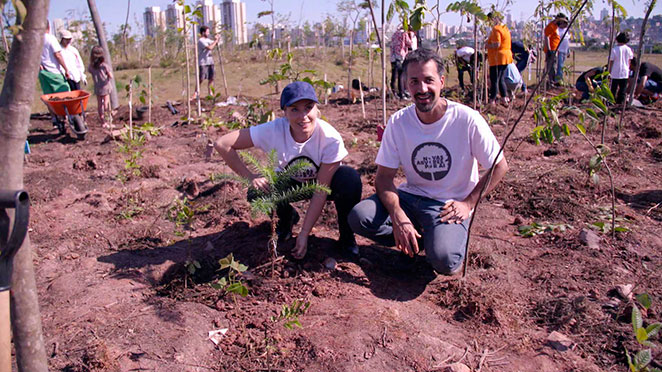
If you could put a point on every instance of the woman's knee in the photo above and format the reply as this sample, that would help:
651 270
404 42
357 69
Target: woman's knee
346 183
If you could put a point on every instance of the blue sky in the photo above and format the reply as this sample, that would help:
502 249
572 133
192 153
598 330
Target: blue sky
113 12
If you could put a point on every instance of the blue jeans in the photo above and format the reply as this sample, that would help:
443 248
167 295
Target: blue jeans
560 61
444 243
583 87
521 65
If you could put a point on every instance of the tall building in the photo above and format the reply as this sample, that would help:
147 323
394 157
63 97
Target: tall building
604 13
234 20
58 24
211 15
154 20
175 16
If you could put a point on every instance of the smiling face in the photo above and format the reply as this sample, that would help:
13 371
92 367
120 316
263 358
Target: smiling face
302 116
425 85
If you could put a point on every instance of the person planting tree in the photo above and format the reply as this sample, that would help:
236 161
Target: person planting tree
300 135
439 144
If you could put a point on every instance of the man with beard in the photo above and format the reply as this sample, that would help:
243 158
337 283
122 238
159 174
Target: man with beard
439 144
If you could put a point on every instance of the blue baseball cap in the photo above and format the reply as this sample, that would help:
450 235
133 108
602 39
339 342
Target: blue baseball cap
295 92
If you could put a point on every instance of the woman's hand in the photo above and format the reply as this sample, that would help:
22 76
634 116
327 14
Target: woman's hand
301 246
260 183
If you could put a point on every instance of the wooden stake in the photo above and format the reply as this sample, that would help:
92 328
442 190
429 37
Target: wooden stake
5 332
197 71
149 94
131 109
326 92
362 102
220 61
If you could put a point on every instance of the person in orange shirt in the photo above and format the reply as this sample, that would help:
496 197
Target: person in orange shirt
499 55
552 40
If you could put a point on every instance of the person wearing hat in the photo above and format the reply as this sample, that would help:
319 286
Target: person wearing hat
73 61
464 61
300 134
552 41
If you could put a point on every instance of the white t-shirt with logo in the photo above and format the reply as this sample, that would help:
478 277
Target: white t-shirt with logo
48 61
440 160
465 53
324 146
621 56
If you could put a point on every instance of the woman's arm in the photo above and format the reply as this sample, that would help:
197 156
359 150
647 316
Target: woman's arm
324 177
228 145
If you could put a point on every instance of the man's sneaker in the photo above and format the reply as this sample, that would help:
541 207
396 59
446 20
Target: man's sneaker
284 228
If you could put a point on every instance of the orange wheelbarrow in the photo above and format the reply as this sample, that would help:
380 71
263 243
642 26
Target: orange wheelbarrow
70 105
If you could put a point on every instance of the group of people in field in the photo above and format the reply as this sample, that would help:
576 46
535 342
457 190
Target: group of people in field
438 144
61 69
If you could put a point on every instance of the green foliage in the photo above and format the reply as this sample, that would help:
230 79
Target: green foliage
258 113
596 162
604 222
150 129
232 283
181 214
132 209
467 8
289 314
547 113
287 72
641 360
280 182
535 228
192 266
411 19
132 148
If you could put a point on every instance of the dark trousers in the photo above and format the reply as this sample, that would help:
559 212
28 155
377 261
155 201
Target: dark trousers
521 65
460 74
550 66
396 74
497 74
346 190
618 88
74 85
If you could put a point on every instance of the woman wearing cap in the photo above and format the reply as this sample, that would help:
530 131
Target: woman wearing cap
73 61
300 134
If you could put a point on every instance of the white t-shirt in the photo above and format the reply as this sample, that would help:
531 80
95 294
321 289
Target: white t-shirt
564 46
48 61
439 159
465 53
74 62
621 55
205 56
324 146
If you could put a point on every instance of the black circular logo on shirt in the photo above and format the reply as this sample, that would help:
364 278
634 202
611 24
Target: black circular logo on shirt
431 160
306 174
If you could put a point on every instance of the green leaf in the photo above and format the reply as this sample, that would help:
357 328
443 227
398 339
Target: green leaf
642 336
642 358
581 128
21 11
636 319
645 300
621 229
599 104
187 9
653 329
241 268
566 129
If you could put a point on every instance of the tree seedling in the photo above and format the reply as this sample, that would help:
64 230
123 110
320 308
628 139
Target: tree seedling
642 359
289 314
528 231
281 189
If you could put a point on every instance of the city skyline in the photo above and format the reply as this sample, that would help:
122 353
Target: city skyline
299 11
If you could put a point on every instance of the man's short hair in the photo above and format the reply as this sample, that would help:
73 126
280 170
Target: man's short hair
623 38
203 29
422 55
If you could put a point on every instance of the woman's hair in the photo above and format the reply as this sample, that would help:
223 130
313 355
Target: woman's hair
623 38
96 56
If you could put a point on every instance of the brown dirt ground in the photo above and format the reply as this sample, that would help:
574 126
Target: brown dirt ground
115 295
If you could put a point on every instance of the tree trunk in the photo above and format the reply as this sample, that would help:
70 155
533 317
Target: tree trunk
188 73
349 68
198 88
383 67
126 25
374 22
15 102
98 26
475 69
4 37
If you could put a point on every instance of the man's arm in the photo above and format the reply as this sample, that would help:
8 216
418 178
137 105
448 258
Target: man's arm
213 44
458 211
404 233
640 87
60 60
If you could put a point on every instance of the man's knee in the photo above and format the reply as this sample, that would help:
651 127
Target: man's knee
445 262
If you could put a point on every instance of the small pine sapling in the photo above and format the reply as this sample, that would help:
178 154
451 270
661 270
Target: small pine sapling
281 190
289 314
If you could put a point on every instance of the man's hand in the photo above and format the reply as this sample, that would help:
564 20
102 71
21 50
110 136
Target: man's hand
455 212
405 236
260 183
301 246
